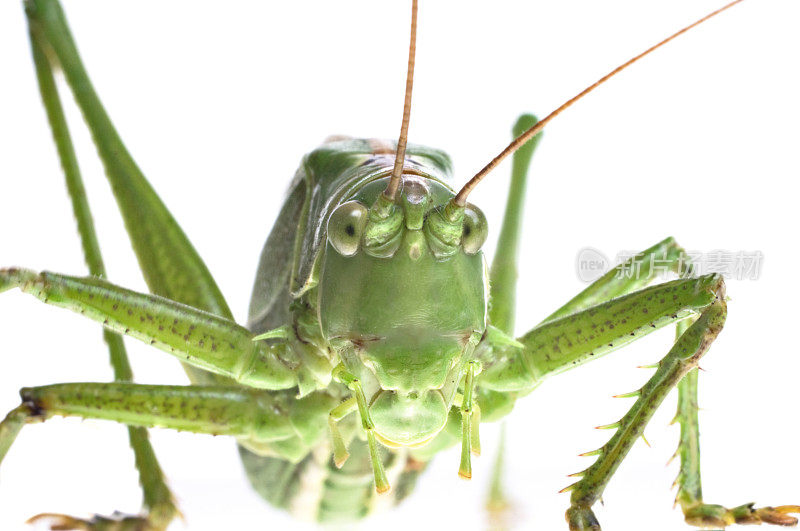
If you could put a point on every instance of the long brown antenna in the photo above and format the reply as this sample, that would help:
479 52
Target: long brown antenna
461 198
397 171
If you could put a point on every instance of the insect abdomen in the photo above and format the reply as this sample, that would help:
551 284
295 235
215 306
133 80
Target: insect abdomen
314 489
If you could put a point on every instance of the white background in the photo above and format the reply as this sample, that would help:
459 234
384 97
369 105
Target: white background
219 101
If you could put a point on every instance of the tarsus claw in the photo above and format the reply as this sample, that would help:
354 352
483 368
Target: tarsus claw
58 521
705 515
747 514
118 522
779 515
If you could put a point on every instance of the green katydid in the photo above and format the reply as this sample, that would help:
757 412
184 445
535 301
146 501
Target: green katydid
262 370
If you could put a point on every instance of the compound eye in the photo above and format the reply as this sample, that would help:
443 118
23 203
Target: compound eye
475 229
346 226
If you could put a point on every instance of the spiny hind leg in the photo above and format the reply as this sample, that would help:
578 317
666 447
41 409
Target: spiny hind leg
629 276
576 338
171 266
682 358
159 506
635 273
690 492
692 343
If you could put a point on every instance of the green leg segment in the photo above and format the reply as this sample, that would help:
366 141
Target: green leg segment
690 491
503 279
614 283
497 503
171 266
666 254
561 344
379 474
503 282
10 427
169 262
159 504
578 338
504 275
575 338
254 416
340 453
500 349
265 421
469 436
688 481
682 358
198 338
634 274
505 353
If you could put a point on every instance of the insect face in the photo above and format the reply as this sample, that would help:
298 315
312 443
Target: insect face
411 283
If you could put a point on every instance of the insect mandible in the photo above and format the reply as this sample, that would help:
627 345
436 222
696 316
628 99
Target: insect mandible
644 240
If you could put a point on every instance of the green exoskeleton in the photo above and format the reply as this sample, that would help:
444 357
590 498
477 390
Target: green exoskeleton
377 336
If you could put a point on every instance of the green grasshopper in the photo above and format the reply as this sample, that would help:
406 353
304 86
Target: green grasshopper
468 358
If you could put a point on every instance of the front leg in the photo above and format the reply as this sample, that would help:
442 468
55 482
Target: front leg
577 338
570 341
274 422
256 417
199 338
